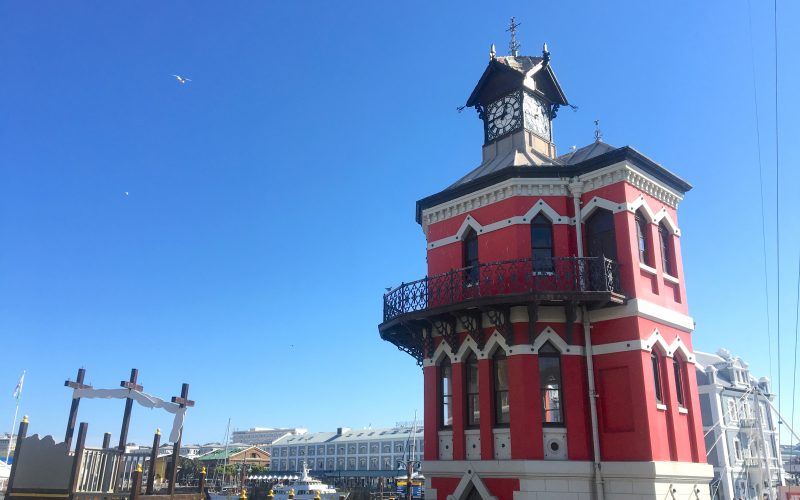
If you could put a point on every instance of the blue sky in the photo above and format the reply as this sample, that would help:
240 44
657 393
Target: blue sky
271 199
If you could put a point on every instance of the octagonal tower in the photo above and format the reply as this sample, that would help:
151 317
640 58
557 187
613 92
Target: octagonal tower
552 327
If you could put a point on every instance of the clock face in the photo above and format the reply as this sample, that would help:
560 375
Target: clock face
503 116
536 116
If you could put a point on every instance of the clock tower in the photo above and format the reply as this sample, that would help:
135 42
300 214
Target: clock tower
552 327
517 97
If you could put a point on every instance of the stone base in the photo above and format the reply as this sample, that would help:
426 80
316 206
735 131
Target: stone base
565 480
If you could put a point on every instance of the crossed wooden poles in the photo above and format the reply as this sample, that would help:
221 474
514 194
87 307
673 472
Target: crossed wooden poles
132 383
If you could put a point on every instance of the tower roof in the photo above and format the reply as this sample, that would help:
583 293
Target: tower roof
507 73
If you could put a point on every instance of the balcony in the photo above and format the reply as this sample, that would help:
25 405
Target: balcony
565 280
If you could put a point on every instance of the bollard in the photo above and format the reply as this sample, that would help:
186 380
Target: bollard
136 489
202 484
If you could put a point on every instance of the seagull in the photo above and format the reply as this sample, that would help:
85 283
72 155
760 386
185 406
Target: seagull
181 79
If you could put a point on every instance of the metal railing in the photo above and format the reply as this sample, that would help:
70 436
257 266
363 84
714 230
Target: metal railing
557 275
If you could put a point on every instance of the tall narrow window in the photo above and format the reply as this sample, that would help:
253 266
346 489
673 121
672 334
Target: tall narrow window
657 377
502 415
601 239
473 398
551 388
446 388
678 382
542 244
641 236
472 271
666 259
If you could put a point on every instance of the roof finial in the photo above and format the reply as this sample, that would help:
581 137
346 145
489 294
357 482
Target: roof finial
545 54
492 53
513 45
598 135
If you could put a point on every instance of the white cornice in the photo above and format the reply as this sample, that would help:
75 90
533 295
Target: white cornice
492 194
619 172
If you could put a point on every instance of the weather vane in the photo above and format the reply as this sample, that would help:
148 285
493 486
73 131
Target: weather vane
513 45
598 136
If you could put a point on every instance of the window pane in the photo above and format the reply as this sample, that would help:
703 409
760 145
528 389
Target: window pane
656 377
678 382
663 237
502 415
541 237
473 400
473 410
550 379
447 395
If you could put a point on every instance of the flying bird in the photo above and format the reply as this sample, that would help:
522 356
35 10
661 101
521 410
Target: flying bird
182 79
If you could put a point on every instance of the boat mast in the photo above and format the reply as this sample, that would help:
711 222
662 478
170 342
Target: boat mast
227 439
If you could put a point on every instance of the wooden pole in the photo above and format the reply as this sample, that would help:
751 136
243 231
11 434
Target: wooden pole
80 445
106 440
21 434
126 418
183 402
136 488
151 471
126 421
73 409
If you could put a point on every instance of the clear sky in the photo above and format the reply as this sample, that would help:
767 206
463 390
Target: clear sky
237 232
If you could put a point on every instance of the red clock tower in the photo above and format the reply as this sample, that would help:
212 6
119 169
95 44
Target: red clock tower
552 327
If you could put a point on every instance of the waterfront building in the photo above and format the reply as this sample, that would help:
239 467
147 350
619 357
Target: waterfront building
349 453
553 326
235 455
741 429
5 438
263 436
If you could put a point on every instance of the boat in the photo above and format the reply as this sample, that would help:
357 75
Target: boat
306 488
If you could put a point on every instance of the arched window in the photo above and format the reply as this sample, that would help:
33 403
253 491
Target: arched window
542 244
666 258
502 415
655 361
472 273
446 390
676 365
601 239
641 237
550 384
473 395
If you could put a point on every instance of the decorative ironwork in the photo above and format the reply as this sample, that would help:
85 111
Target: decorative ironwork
410 341
473 323
446 326
501 317
564 275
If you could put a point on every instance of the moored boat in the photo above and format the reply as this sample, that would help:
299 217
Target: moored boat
306 488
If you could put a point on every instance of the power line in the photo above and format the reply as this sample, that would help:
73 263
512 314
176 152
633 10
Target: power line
761 189
777 200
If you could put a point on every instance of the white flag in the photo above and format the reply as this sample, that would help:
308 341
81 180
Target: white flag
18 388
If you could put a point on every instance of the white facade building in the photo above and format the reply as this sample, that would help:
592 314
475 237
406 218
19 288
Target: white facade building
260 436
740 427
364 452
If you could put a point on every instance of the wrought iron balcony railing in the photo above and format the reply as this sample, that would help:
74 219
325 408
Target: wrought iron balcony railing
563 275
